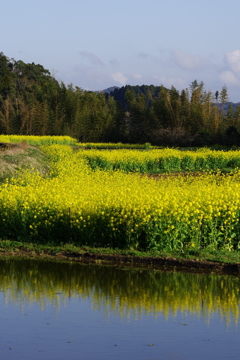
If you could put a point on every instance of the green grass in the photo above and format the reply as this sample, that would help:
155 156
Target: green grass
16 247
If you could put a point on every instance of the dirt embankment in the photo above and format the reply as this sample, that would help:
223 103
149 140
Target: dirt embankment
158 263
14 157
153 263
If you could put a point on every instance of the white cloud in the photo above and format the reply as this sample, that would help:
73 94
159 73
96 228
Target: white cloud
91 77
95 60
230 73
188 61
119 77
229 78
113 62
232 60
136 76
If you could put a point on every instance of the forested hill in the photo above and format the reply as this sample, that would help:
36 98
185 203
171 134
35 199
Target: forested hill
148 91
33 102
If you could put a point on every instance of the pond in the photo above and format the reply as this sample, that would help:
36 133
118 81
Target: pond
53 310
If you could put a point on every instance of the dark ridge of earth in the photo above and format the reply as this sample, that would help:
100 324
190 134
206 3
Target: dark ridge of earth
151 263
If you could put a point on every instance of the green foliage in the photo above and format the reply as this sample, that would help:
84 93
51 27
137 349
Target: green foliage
147 146
32 102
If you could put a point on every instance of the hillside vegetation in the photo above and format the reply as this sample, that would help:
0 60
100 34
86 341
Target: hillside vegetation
33 102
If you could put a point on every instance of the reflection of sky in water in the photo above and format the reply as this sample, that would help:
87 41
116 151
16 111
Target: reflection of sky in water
91 321
76 329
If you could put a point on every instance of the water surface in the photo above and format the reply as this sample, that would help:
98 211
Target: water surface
71 311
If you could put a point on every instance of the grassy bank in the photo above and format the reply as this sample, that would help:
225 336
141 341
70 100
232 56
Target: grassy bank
22 157
192 261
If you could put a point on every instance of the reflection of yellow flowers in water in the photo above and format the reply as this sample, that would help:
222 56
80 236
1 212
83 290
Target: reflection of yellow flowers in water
128 292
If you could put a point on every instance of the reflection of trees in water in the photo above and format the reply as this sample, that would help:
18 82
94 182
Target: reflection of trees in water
124 292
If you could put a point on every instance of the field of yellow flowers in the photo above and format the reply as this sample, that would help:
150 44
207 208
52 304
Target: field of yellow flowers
161 160
38 140
75 204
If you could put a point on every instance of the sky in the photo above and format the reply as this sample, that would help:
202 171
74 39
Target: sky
95 44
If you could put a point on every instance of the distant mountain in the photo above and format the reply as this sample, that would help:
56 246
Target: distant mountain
110 89
226 106
107 91
150 92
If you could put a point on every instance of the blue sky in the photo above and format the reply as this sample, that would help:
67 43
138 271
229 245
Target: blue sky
95 44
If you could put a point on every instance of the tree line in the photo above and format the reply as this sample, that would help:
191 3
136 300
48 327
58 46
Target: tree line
33 102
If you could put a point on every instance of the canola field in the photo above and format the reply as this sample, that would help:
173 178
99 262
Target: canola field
162 160
115 146
112 208
35 140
